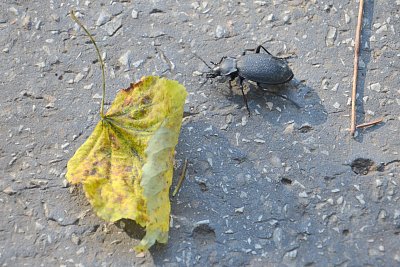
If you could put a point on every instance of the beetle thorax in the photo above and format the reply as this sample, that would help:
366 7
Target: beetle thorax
226 67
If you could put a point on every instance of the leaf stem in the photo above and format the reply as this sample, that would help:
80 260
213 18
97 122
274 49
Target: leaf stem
100 60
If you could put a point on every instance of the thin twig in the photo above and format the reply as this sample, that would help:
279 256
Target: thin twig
355 70
100 60
371 123
181 178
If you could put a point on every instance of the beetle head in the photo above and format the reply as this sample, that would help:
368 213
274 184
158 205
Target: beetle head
225 67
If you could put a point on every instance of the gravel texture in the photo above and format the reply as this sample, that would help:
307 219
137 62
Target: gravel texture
286 186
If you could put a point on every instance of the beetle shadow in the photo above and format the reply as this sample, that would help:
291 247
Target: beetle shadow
293 101
365 57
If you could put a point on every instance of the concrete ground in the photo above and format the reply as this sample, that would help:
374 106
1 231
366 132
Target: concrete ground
286 186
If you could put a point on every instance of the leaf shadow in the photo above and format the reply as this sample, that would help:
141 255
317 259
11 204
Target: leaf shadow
131 228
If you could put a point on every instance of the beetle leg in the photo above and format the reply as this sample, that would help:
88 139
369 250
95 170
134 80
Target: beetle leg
231 78
244 96
222 58
259 48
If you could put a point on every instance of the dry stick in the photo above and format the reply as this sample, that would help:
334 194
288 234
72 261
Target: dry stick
371 123
355 70
181 178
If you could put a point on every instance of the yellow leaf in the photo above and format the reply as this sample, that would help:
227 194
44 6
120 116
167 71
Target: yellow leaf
126 165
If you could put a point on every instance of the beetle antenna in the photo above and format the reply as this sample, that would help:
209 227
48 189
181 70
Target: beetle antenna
202 60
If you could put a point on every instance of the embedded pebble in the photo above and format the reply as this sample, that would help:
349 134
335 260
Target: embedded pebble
360 199
347 18
27 23
381 29
80 251
334 88
303 194
331 36
336 105
291 254
14 11
221 32
126 59
78 77
375 87
244 120
134 14
239 210
104 17
137 64
270 17
9 191
113 26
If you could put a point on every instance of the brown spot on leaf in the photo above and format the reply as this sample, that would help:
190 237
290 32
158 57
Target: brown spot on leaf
133 86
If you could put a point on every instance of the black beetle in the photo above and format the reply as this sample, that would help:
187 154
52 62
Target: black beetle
261 68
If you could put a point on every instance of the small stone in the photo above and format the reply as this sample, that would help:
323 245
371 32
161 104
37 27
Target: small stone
134 14
56 17
9 191
289 129
97 96
221 32
286 19
360 199
27 23
261 3
126 59
339 201
137 64
113 26
375 87
244 120
39 226
104 17
334 88
38 182
63 146
14 11
324 84
270 17
336 105
347 18
382 29
50 105
239 210
277 237
260 141
78 77
197 73
75 239
38 25
80 251
291 254
140 255
270 105
303 194
331 36
65 183
88 87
